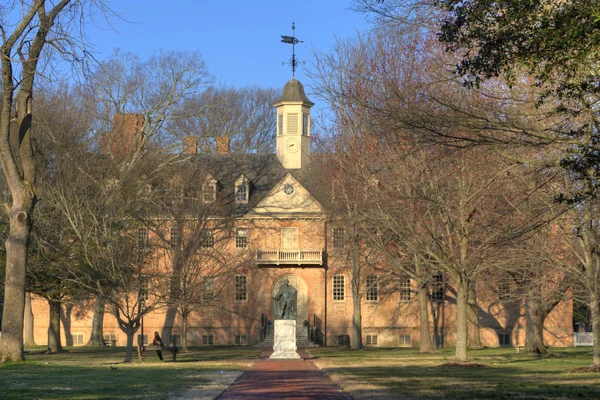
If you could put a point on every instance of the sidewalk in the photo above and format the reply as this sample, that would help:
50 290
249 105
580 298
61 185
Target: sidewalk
284 379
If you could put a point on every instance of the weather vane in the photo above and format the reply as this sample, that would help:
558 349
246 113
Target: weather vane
292 40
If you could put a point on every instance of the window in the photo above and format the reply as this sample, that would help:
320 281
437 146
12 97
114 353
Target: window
241 288
209 191
439 340
404 289
404 340
292 124
208 339
110 339
209 289
175 338
77 339
241 238
504 289
289 238
305 124
339 288
208 238
241 190
174 234
371 340
339 238
145 339
142 236
372 288
438 288
241 340
280 123
504 339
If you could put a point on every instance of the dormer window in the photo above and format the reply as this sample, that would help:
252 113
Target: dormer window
242 190
209 190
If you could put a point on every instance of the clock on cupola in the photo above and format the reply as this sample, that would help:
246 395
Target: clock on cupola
293 126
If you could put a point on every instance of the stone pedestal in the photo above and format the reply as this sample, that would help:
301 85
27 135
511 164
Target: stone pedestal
285 340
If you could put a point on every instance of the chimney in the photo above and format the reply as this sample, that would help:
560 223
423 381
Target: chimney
190 145
126 135
222 144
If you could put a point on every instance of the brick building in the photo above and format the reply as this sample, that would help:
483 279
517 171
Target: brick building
281 229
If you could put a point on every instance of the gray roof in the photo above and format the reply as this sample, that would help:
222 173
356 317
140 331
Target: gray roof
263 171
294 91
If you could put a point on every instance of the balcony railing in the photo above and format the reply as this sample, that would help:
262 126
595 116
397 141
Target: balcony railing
289 256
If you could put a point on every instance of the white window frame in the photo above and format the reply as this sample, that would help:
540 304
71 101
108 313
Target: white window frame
176 335
208 283
372 340
142 236
285 240
110 337
339 237
173 233
372 288
78 338
404 340
209 191
240 340
240 288
504 339
338 288
207 238
208 339
405 289
438 288
241 237
240 183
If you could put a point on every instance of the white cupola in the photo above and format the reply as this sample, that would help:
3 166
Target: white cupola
293 126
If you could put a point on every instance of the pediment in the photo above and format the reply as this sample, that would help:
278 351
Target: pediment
288 197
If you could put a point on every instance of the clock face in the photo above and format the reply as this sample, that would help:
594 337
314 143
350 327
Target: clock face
292 144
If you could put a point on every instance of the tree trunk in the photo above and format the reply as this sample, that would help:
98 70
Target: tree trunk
473 317
461 319
29 339
595 311
184 326
97 335
356 337
129 350
425 345
54 345
534 327
11 341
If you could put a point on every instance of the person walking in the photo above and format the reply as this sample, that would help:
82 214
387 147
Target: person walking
159 344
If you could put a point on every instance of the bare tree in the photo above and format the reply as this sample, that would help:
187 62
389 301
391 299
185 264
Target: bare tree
32 32
243 115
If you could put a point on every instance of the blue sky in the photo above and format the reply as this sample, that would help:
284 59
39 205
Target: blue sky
239 39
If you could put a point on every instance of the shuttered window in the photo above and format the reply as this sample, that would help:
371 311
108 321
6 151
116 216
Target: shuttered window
292 124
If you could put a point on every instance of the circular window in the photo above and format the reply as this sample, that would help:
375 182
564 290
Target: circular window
288 189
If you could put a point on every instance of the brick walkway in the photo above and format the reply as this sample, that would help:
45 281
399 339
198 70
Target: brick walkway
284 379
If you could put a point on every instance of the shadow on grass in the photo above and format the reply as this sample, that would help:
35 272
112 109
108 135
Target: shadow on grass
505 376
34 381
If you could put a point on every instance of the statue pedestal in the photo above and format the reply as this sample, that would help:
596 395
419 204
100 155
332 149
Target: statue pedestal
285 340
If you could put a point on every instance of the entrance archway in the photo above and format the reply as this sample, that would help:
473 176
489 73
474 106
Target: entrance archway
299 284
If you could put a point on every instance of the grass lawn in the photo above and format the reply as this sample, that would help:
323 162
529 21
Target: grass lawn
88 373
376 373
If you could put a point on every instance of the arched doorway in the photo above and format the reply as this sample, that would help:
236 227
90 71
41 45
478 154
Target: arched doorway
299 284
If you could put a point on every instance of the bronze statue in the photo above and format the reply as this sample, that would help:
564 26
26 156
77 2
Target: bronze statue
286 301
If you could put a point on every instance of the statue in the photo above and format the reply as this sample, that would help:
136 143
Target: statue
286 301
